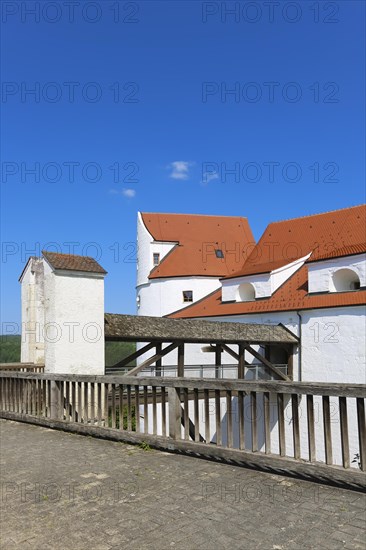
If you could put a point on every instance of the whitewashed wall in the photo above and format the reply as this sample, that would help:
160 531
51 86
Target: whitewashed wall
265 284
32 304
334 344
74 323
146 246
321 273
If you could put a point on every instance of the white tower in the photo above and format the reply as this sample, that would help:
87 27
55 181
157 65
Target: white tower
63 313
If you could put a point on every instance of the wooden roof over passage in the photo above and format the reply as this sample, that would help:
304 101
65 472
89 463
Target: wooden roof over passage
160 329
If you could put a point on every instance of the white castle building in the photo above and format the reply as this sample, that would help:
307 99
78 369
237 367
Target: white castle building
307 273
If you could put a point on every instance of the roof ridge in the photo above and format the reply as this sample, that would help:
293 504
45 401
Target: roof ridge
67 254
317 214
197 215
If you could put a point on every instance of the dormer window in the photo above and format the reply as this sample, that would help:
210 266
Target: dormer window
345 280
187 295
219 253
156 258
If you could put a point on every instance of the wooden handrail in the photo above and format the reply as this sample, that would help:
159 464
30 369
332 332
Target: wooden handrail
273 386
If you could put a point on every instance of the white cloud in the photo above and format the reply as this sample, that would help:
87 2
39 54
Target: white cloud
209 176
179 169
129 193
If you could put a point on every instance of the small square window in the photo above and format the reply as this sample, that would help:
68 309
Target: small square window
219 253
187 295
156 258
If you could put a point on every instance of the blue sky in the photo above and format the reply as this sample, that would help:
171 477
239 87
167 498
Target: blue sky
133 111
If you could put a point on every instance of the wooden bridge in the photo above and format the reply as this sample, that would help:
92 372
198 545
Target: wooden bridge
267 425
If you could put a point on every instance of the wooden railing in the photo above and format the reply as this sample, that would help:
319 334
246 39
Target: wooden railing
22 367
310 429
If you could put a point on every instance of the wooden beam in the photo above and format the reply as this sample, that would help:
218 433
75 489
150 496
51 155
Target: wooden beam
218 350
158 349
230 351
241 361
190 426
153 359
266 363
124 362
181 360
274 386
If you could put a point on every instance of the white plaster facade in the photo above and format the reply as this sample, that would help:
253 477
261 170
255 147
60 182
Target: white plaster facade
160 297
321 274
62 319
32 303
264 284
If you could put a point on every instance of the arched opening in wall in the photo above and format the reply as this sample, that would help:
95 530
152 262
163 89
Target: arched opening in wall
345 279
245 293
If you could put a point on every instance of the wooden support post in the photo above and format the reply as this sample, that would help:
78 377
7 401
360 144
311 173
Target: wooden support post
158 348
327 430
344 431
290 362
218 351
311 427
181 360
253 416
163 411
56 400
241 419
295 425
113 415
281 423
207 415
361 431
137 409
174 413
267 422
241 363
229 419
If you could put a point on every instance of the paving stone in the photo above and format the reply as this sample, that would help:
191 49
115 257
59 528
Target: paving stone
83 493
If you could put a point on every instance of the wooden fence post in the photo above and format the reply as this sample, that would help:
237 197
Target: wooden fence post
174 413
56 406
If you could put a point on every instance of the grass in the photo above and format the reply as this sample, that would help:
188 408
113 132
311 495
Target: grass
125 415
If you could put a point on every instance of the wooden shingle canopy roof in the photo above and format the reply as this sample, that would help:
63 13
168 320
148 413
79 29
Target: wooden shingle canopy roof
160 329
72 262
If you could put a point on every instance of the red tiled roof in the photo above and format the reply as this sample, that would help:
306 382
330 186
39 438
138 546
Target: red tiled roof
71 262
332 234
198 236
292 295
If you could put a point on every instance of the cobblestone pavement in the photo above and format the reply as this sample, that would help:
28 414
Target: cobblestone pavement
62 490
